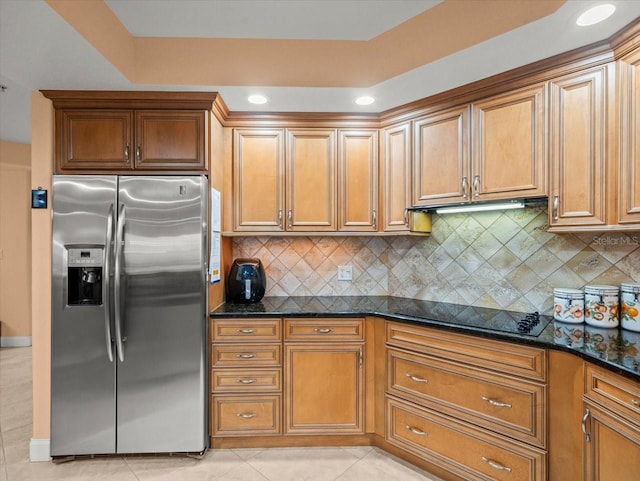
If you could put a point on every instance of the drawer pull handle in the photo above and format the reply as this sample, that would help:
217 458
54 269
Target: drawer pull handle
246 415
496 465
247 381
324 330
416 431
417 379
583 425
246 331
635 402
246 356
496 403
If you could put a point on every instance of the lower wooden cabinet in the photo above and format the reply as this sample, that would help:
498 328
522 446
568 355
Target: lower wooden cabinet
324 388
324 376
611 427
245 415
468 452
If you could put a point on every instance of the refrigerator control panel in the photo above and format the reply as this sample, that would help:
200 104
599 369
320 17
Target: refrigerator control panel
85 257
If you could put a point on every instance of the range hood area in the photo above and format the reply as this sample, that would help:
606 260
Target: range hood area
482 206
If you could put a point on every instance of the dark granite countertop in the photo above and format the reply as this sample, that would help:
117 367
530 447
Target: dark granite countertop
615 349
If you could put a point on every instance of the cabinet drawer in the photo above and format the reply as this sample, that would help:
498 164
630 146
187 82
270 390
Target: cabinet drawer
246 380
245 330
506 405
246 355
618 394
469 452
323 329
500 356
245 415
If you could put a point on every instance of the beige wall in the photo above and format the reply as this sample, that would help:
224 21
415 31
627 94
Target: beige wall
15 239
41 172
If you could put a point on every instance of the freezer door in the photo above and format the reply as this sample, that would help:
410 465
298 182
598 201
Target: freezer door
82 376
161 371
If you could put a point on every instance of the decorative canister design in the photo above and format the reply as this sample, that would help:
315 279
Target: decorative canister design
568 305
630 306
603 343
601 306
570 335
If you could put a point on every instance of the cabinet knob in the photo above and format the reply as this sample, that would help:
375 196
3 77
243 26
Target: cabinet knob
323 330
138 152
465 188
126 154
280 218
290 218
246 331
635 402
375 219
556 206
496 465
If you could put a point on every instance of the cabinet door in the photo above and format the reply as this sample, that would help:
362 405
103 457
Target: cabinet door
612 450
441 158
258 180
509 155
324 387
171 140
358 180
396 177
94 139
578 110
629 97
311 180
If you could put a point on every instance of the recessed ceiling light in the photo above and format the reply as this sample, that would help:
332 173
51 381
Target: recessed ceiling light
596 14
257 99
365 100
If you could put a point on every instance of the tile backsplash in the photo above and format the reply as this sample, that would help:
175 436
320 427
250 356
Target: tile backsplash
503 260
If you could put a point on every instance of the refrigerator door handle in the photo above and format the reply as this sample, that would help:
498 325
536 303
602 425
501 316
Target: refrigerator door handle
108 257
117 294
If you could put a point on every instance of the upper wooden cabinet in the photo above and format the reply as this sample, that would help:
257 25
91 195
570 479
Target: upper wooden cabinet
358 180
578 149
395 170
311 180
258 180
493 149
131 131
175 140
441 158
629 98
305 180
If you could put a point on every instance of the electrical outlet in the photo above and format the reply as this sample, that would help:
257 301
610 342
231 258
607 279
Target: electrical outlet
345 273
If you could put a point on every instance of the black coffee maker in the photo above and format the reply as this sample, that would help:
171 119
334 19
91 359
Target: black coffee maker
247 281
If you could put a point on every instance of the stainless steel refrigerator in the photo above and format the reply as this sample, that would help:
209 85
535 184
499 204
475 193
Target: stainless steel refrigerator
129 314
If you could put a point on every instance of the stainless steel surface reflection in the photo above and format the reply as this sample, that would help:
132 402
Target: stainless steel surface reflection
129 376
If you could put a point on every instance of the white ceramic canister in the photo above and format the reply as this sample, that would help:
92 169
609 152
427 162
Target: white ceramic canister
568 305
630 306
601 305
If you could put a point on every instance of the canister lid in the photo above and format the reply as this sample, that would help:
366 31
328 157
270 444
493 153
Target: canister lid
567 293
635 288
601 289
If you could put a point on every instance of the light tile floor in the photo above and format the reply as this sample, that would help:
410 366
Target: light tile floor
281 464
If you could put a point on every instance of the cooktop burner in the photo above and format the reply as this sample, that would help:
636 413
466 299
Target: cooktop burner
529 324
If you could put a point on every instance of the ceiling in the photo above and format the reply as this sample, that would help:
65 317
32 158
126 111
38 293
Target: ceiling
304 55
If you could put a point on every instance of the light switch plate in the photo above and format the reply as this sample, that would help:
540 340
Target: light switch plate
345 273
